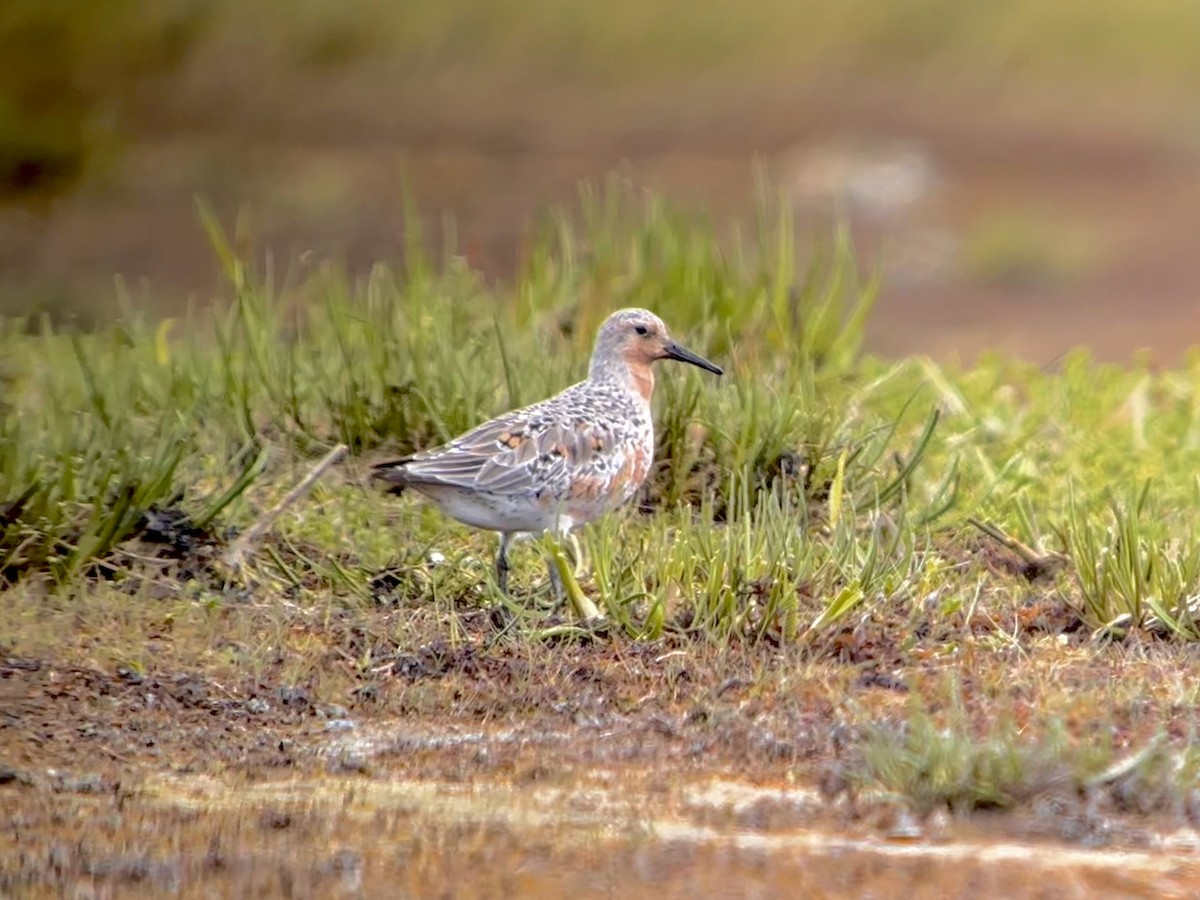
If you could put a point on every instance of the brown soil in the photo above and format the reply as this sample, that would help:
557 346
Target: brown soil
496 766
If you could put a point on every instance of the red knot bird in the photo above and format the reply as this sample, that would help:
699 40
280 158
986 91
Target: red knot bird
560 463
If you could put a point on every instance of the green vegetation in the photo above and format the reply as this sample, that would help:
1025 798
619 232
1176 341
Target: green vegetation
68 68
816 499
1109 43
810 482
952 767
947 762
81 78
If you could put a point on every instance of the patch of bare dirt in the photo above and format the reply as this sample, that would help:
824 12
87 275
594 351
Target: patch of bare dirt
481 758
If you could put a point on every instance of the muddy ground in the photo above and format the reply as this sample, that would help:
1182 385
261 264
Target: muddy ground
497 765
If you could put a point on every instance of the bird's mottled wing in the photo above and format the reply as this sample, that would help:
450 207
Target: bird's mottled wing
518 454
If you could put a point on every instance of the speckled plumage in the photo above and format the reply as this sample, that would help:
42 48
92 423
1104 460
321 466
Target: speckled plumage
565 461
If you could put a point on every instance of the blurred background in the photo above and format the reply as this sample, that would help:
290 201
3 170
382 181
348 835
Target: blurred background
1026 174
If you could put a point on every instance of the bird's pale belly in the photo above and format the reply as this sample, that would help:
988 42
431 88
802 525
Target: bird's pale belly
494 512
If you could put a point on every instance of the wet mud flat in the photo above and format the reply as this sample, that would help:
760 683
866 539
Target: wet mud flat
616 833
127 785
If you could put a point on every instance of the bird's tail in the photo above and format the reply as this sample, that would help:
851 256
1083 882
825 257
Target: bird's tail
393 473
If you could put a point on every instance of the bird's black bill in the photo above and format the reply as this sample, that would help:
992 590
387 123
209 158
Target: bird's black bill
674 351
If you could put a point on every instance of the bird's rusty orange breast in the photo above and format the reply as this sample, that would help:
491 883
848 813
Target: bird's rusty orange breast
641 375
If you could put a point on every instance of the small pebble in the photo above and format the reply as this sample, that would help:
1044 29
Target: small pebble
939 825
350 762
82 784
905 828
13 776
130 676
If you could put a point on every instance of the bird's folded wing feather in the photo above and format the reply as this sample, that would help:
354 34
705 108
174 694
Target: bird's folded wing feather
512 456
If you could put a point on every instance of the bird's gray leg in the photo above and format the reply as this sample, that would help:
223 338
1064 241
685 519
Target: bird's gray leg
502 565
556 584
556 581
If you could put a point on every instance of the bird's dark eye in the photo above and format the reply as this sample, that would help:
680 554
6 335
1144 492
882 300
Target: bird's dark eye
642 330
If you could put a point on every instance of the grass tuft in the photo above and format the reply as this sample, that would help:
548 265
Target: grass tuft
812 487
